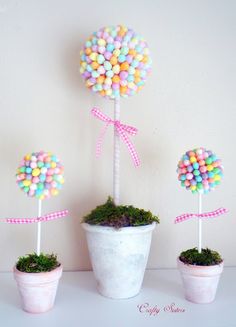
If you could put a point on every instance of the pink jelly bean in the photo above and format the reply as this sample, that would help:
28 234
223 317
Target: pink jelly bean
108 55
186 162
189 176
115 86
203 169
94 48
123 75
35 180
50 171
187 183
33 165
101 49
49 179
31 192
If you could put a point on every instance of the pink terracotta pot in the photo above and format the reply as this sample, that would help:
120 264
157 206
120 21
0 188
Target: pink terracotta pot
37 290
200 282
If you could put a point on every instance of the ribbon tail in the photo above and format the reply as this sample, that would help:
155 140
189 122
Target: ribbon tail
213 214
21 220
50 216
130 146
183 217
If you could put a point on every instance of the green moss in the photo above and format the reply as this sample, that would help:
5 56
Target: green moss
33 263
206 258
111 215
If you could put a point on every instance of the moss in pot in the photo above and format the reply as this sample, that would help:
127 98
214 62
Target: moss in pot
33 263
206 258
109 214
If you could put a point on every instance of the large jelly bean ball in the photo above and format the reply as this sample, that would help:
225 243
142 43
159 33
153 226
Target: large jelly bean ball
115 62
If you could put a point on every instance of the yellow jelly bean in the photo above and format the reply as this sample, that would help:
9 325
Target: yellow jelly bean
134 40
93 56
82 70
193 187
109 92
217 178
131 85
36 172
116 52
53 164
116 69
108 81
139 57
209 167
54 191
101 42
26 182
193 159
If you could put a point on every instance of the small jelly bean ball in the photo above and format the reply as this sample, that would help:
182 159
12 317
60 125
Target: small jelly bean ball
199 170
40 175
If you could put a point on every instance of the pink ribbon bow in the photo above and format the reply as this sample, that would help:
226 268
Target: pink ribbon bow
211 214
121 129
49 216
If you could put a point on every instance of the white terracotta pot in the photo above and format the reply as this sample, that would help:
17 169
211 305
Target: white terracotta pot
37 290
119 258
200 282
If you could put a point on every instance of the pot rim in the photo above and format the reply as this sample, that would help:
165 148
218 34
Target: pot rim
122 230
198 266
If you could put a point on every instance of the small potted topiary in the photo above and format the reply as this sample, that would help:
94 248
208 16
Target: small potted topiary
200 274
39 175
119 239
200 171
37 278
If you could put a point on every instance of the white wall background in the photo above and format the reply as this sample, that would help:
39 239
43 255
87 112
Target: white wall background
188 101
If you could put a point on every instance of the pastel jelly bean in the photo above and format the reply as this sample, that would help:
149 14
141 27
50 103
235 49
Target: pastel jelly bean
108 52
40 175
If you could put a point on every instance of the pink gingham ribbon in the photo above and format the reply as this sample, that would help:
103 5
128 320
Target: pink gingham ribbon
211 214
49 216
121 129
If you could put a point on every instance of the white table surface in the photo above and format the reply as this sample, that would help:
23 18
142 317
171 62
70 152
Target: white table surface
79 304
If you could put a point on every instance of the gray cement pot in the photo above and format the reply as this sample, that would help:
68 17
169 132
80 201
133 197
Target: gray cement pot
119 258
